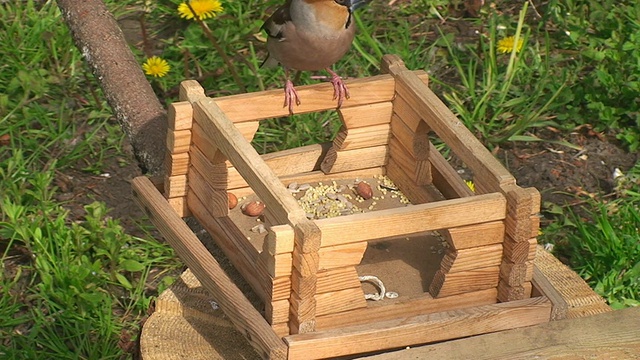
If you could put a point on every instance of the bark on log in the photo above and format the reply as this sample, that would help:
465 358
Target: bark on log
137 108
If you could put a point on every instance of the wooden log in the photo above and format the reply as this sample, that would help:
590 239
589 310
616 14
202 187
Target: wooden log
448 284
240 311
175 186
362 137
178 141
317 97
249 164
471 236
340 161
439 118
418 329
179 115
366 115
413 307
472 258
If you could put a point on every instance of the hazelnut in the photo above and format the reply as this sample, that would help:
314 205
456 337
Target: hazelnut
233 200
253 208
364 190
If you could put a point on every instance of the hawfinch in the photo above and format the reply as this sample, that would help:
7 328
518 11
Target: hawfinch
310 35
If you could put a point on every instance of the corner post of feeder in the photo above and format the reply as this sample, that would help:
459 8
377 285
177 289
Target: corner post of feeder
178 141
304 276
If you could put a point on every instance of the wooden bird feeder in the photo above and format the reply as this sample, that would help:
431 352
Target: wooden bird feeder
306 272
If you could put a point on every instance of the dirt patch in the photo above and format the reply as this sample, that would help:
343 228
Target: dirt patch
561 174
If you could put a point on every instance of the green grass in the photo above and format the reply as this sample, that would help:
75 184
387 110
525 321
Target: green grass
69 289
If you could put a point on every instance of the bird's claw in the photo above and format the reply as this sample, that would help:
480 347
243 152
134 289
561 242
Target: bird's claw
290 95
340 90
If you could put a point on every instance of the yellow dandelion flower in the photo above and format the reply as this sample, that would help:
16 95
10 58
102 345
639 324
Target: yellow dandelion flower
471 185
203 9
507 44
156 66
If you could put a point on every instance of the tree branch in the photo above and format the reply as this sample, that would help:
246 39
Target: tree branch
137 108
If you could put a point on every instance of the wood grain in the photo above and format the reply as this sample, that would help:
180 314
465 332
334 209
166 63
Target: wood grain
419 329
240 311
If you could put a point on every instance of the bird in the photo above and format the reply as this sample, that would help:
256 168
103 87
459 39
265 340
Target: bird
310 35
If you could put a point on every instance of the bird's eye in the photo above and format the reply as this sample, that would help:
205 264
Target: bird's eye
342 2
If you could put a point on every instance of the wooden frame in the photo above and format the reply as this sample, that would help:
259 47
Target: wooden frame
304 269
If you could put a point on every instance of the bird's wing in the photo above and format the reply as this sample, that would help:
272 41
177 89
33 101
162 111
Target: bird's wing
274 24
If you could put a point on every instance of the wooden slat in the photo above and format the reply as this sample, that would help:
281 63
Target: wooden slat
470 236
329 258
362 137
235 246
416 142
316 97
326 304
175 186
178 141
327 281
411 219
508 292
366 115
418 329
176 164
445 284
179 205
191 91
340 161
403 110
445 178
472 258
417 194
216 174
179 115
249 164
419 171
239 310
216 201
296 161
414 307
486 168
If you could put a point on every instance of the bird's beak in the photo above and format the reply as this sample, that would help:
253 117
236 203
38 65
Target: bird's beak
355 4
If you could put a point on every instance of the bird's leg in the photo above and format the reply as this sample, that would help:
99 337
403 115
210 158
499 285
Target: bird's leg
340 90
290 93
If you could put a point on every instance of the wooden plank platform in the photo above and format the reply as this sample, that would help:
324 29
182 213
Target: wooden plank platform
610 335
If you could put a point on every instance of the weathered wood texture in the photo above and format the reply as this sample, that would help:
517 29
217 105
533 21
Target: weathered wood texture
610 335
195 255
